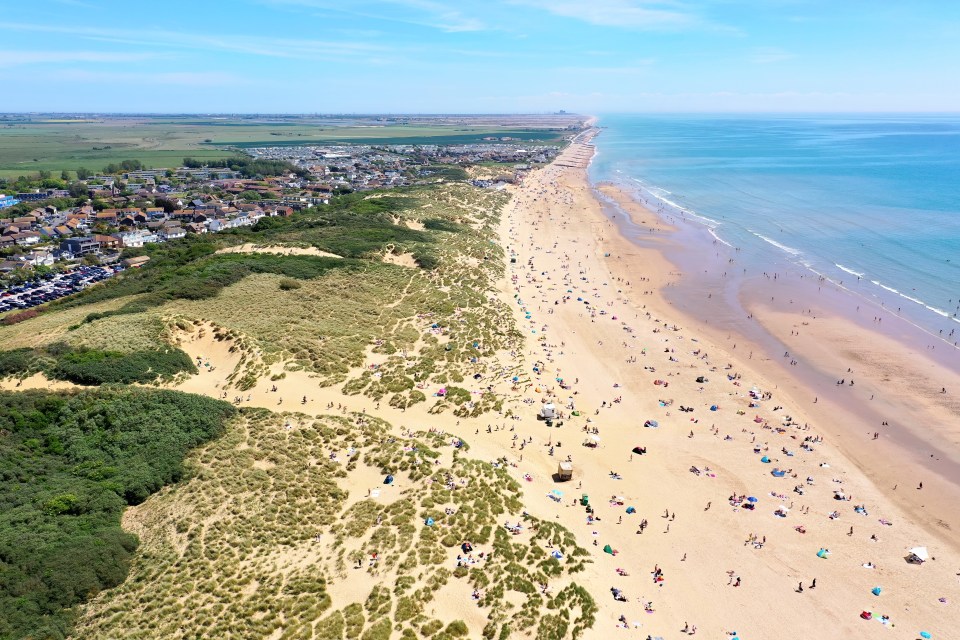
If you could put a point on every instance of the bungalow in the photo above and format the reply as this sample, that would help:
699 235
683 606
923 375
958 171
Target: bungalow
107 216
38 258
173 233
26 238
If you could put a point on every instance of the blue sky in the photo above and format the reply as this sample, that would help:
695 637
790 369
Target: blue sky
472 56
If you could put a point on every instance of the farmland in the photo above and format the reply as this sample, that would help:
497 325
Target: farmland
31 143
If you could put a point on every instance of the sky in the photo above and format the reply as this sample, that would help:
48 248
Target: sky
480 56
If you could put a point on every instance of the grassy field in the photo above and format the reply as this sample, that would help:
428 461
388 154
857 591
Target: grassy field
321 314
28 145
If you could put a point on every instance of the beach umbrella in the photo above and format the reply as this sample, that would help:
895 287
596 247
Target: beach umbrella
751 499
920 553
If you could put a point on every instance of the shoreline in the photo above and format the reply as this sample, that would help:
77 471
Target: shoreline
600 292
909 450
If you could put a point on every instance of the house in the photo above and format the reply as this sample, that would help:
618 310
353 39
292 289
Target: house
27 238
107 242
38 258
138 237
63 231
77 247
7 201
107 216
173 233
154 213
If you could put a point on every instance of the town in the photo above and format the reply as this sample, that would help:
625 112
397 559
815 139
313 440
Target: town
49 225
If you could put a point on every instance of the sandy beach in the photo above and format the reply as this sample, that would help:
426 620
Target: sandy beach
748 510
598 320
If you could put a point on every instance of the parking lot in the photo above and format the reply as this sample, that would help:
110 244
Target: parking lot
51 287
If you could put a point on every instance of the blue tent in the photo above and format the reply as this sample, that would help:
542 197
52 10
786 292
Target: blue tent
388 480
631 510
765 460
429 522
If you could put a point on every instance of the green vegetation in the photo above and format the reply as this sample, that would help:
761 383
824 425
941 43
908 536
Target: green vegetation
29 144
69 463
239 541
81 365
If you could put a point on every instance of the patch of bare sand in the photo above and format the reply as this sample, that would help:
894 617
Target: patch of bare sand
283 250
400 259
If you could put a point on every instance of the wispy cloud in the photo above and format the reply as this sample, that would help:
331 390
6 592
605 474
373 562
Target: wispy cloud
770 55
426 13
167 78
633 14
231 43
20 58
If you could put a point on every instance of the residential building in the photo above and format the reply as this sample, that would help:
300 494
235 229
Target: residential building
78 247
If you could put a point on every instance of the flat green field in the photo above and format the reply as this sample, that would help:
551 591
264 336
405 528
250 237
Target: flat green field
29 144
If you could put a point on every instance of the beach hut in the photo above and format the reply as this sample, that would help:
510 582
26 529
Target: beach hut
565 471
918 555
547 412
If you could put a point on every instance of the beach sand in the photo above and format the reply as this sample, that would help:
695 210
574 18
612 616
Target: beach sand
566 248
600 336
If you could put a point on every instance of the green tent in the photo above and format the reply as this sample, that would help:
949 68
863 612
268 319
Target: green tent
608 549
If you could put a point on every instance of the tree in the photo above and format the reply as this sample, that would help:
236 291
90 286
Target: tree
45 175
65 176
83 173
251 196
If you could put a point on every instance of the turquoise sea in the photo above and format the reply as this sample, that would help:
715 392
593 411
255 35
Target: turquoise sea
869 201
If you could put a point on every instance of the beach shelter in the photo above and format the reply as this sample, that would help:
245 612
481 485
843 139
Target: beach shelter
556 554
608 549
631 510
918 555
388 480
652 424
752 499
548 411
778 473
823 553
639 450
429 522
875 591
765 460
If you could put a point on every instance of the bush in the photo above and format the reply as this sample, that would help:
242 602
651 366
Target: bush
69 464
288 284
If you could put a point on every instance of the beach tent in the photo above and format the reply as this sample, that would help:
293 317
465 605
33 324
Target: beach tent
429 522
556 554
778 473
875 591
608 549
388 480
918 555
653 424
751 499
765 460
701 379
584 500
639 450
631 510
823 553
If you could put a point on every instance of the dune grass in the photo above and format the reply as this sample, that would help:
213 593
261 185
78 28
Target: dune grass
262 535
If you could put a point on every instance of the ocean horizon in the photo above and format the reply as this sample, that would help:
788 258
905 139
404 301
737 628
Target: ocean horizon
870 202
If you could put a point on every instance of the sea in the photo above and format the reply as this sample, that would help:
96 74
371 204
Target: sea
869 202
